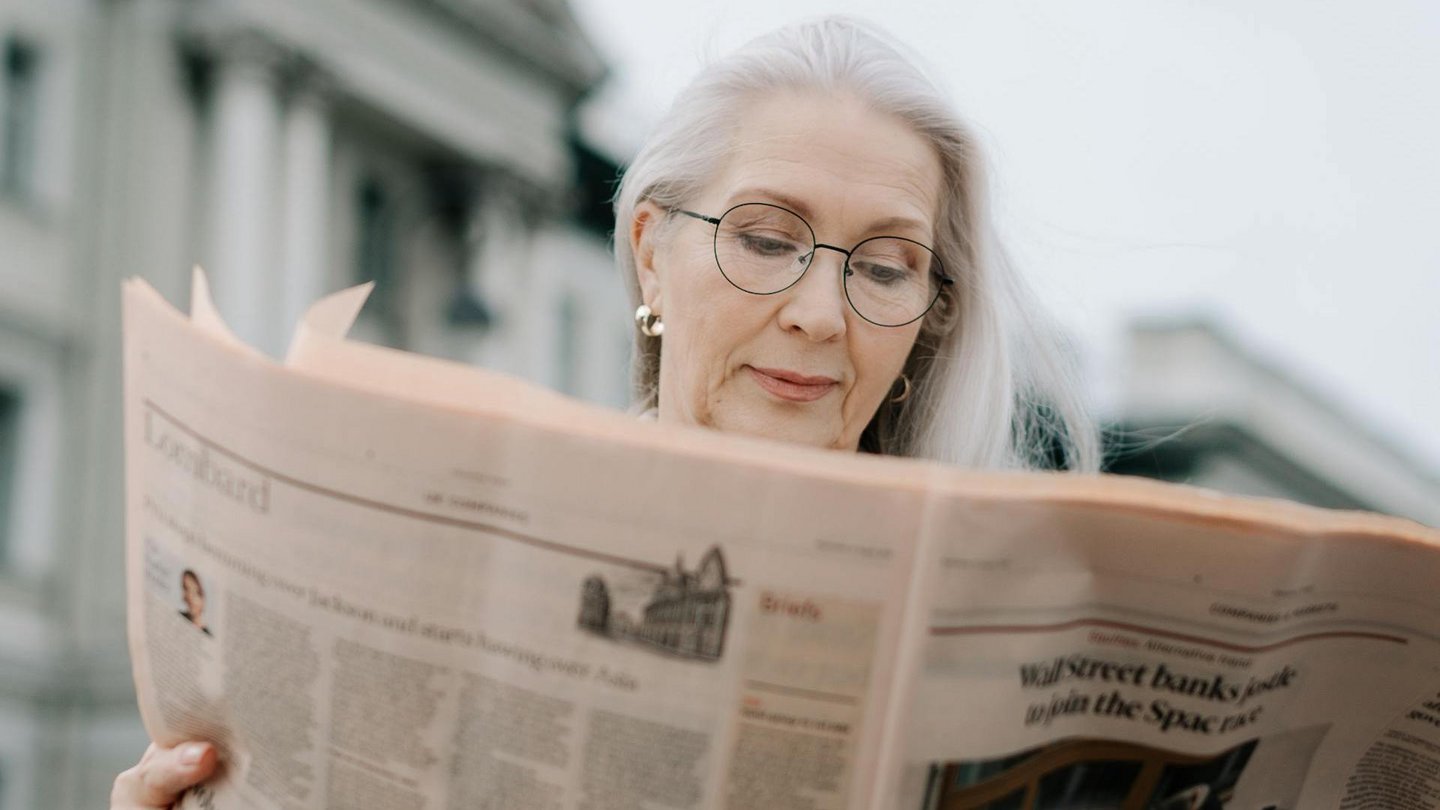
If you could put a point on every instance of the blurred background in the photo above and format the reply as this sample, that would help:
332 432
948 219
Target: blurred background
1230 206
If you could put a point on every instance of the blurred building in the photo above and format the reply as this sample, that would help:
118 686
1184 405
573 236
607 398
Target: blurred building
292 148
1198 408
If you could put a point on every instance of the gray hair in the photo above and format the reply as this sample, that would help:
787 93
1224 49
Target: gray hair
993 386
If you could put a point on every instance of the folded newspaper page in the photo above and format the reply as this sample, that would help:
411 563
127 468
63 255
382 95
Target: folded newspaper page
378 580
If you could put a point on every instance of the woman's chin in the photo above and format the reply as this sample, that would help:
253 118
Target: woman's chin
791 429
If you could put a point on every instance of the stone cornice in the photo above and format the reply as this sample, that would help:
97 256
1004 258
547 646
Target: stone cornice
308 79
239 47
556 48
235 44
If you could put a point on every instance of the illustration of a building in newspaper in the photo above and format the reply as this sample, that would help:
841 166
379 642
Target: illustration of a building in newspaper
595 606
687 613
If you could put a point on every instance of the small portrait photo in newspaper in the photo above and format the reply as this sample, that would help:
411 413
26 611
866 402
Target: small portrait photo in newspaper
193 595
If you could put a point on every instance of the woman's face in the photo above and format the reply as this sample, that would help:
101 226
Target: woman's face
194 597
800 365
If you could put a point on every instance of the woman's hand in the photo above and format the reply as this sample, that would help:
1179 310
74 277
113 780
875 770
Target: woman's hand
161 775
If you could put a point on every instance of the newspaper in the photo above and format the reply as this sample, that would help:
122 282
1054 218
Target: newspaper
378 580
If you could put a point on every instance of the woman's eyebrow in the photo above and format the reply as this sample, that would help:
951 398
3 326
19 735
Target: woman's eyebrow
752 194
798 206
900 222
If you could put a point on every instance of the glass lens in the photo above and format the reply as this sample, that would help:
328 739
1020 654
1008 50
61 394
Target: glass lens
762 248
892 281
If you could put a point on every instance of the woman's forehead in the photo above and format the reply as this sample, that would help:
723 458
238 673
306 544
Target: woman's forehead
828 158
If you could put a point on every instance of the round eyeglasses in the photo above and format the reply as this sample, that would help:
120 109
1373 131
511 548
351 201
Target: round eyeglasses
764 249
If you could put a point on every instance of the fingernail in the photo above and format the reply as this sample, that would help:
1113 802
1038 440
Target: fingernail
191 754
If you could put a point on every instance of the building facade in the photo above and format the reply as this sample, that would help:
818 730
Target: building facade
291 149
1198 407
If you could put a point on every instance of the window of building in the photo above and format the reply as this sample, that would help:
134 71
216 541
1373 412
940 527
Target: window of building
9 465
19 118
375 254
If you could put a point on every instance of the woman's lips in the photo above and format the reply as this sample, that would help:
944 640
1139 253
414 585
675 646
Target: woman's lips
790 386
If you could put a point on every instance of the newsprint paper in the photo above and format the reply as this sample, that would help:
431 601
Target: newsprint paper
383 581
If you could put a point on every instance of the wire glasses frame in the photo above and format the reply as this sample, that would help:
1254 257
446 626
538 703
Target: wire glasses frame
923 253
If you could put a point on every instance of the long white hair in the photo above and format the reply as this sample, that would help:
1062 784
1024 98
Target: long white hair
993 386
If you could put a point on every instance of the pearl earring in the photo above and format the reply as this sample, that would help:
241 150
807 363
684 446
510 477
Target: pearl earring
648 321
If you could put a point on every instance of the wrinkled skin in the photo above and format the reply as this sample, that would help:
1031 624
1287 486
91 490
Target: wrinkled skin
852 173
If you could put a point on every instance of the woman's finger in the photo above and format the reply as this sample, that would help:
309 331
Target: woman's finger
162 775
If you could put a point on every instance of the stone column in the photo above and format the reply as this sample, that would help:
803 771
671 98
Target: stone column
246 155
305 199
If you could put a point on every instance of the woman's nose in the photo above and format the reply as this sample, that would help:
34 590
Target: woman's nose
816 304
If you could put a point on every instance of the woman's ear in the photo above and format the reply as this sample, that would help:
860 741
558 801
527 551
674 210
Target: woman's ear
644 240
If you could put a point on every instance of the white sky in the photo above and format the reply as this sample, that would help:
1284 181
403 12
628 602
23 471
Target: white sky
1273 165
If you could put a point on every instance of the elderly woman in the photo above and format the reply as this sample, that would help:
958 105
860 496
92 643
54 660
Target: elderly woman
807 242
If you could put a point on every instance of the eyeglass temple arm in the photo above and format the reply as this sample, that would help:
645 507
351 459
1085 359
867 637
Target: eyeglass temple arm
701 217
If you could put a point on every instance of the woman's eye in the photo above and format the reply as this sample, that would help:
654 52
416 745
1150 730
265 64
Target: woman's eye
883 273
766 245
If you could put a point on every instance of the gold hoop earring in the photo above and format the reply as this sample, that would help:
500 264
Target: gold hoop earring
903 395
648 321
